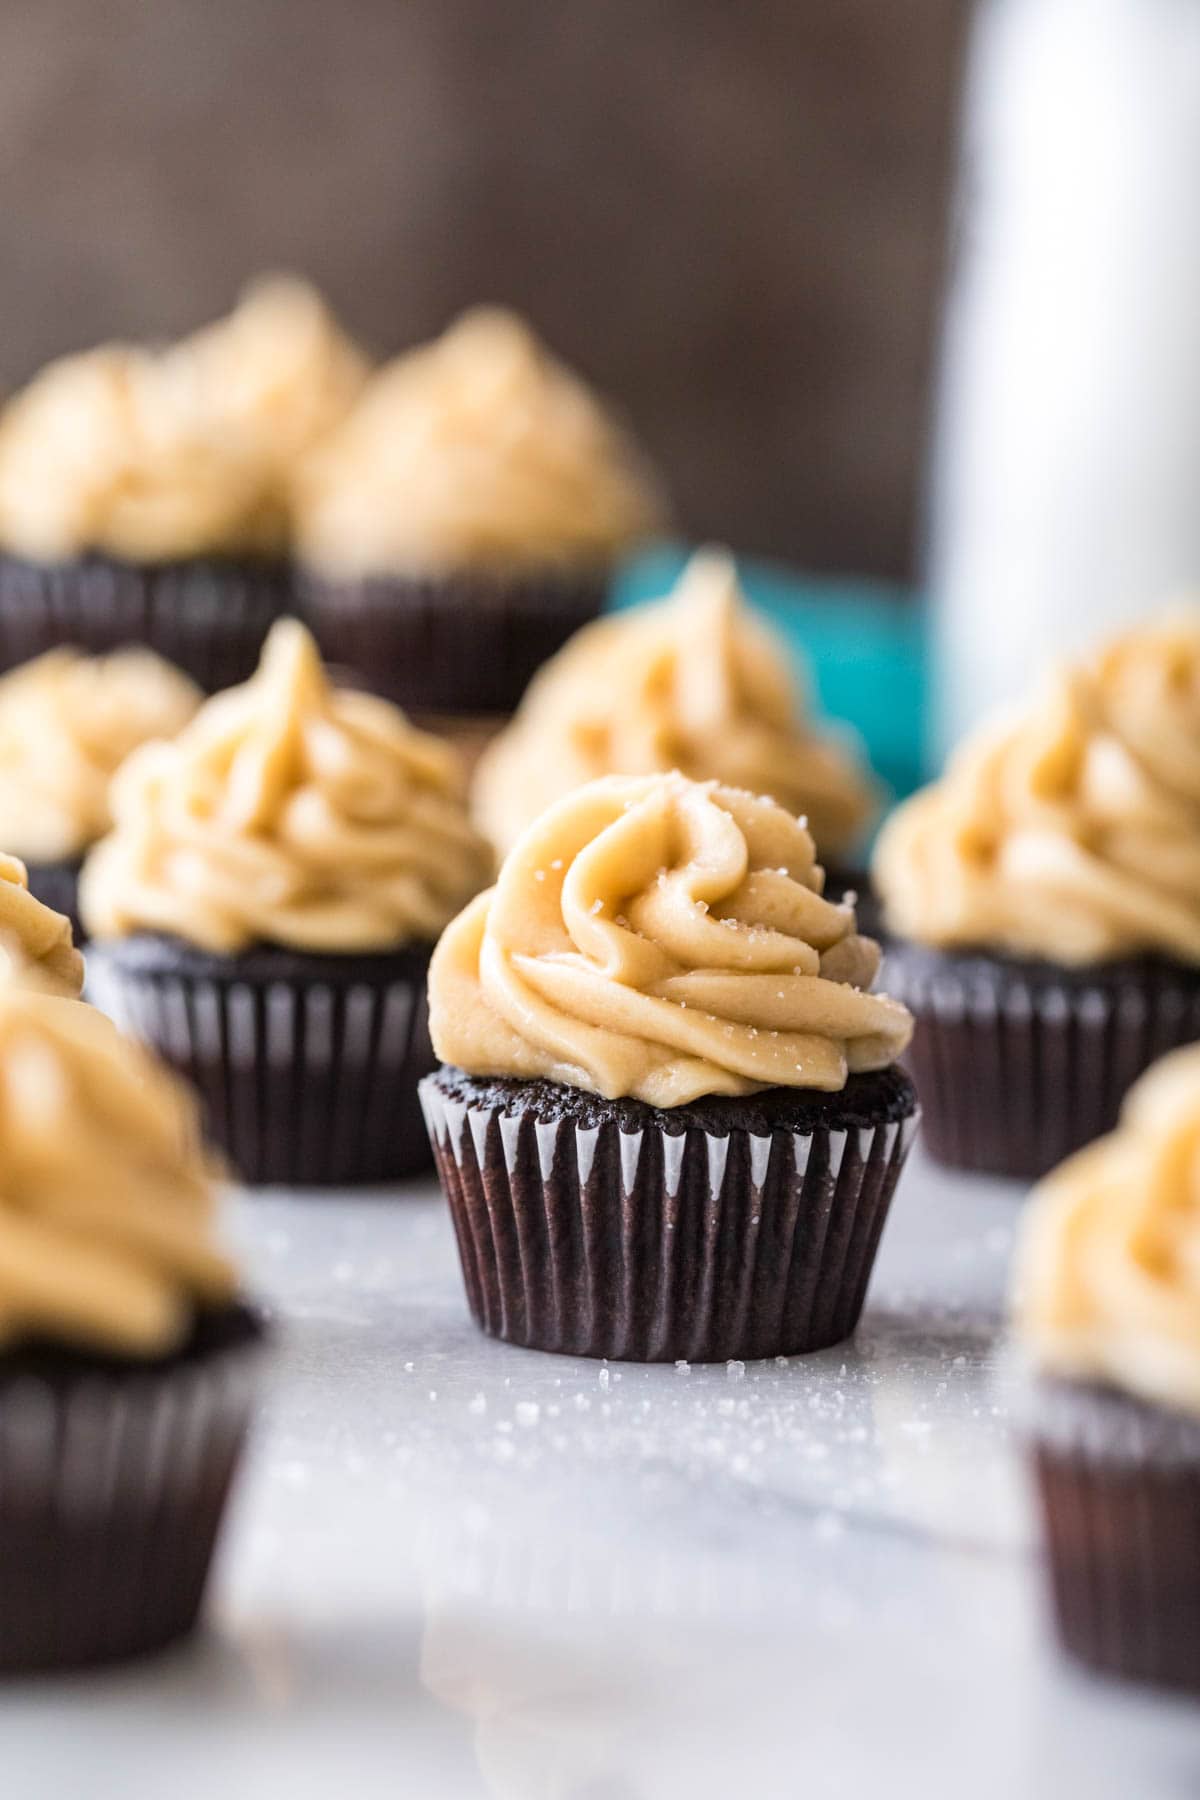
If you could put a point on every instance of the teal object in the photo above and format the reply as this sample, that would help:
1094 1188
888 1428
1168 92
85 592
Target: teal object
857 645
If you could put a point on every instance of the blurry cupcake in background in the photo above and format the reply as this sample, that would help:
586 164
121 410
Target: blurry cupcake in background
1108 1317
669 1122
693 682
67 722
143 491
264 911
35 940
465 519
1044 901
127 1359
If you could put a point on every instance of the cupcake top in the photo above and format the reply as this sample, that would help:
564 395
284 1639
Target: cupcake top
287 812
694 683
106 1210
67 722
1109 1265
150 455
479 452
662 938
36 943
1069 830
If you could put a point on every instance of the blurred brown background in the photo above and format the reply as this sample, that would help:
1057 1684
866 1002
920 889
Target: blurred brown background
729 213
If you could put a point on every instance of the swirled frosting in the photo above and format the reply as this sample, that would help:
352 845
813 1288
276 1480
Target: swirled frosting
478 451
1108 1273
1070 830
106 1211
36 945
694 683
67 722
287 812
151 455
662 938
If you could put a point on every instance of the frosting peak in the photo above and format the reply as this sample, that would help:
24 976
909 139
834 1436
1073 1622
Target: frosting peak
662 938
476 451
287 812
1070 829
693 682
36 944
1109 1264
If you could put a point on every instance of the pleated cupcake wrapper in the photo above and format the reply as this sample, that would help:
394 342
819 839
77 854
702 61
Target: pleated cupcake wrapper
651 1246
303 1083
208 617
112 1491
455 645
1119 1490
1015 1074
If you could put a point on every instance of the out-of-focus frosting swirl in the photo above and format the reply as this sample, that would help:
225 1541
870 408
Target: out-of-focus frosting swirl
1108 1275
662 938
477 451
36 944
106 1211
1072 830
67 723
153 455
287 812
694 683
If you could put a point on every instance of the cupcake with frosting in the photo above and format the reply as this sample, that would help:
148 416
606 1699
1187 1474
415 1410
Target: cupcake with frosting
1044 903
693 682
67 723
126 1356
465 518
143 491
669 1120
1108 1319
264 909
36 943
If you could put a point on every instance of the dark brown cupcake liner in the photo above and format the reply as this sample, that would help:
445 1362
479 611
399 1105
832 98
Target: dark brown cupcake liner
208 616
455 644
113 1484
659 1245
1118 1483
56 885
1020 1063
306 1065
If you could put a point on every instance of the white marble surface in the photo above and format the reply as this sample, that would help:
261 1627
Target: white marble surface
455 1569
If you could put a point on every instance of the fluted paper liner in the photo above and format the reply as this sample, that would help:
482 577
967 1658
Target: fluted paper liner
654 1246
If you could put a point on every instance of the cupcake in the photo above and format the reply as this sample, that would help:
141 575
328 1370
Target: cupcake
1108 1316
67 722
669 1122
1044 903
264 908
142 492
126 1358
463 521
35 938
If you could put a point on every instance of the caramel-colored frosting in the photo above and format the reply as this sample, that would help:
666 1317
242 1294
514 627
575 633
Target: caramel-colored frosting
36 943
1108 1275
287 812
478 451
694 683
662 938
67 723
1071 830
106 1210
152 455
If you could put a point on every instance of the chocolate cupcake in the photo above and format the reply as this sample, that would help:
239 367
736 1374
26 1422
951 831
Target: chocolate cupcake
264 910
669 1125
142 492
67 722
127 1360
464 520
35 939
1043 906
1108 1315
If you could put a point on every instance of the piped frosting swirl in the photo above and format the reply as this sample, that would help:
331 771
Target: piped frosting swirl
662 938
287 812
36 943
